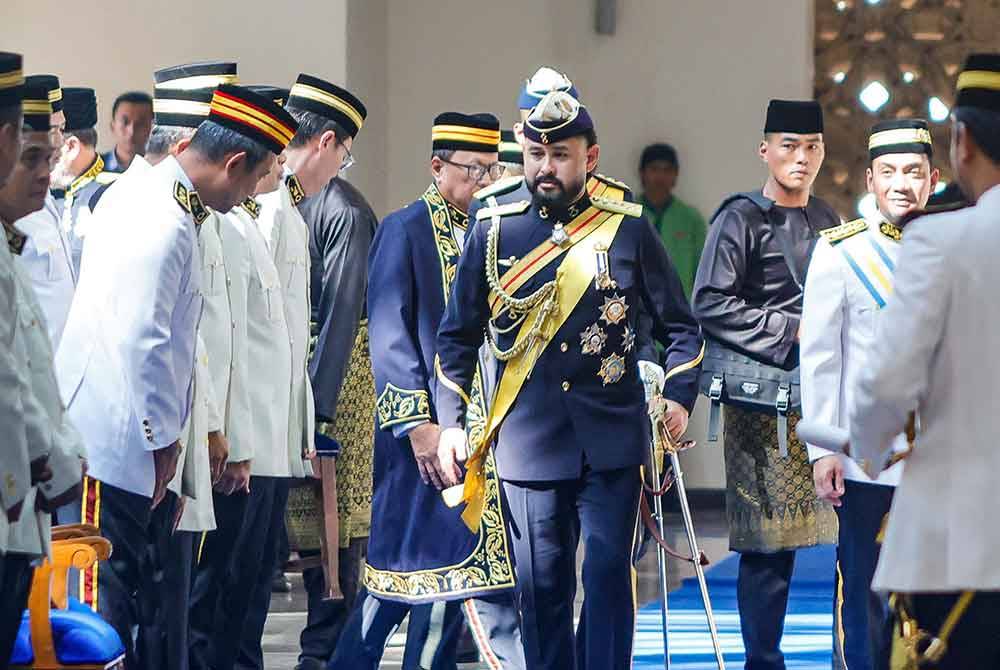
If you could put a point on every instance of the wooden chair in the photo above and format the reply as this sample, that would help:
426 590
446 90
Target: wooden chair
57 634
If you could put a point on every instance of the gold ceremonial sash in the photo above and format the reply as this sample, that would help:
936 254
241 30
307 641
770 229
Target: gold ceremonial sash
574 275
539 258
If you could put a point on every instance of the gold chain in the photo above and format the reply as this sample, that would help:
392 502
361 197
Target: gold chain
518 307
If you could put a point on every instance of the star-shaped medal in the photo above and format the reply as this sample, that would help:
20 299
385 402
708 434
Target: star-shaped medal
628 339
614 309
612 369
592 340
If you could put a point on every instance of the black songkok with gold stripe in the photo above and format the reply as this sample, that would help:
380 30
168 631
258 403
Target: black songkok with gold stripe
50 83
510 150
465 132
900 136
254 116
979 83
182 95
11 79
276 93
312 94
37 108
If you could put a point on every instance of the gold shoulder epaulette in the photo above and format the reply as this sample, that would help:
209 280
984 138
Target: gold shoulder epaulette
511 208
618 206
505 185
190 202
844 231
613 182
295 190
107 177
251 207
181 196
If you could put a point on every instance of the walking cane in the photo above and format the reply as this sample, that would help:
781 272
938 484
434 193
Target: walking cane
663 442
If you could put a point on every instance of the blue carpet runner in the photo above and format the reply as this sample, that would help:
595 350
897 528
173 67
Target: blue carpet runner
807 642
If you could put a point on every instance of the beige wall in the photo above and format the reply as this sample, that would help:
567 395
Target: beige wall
697 73
116 46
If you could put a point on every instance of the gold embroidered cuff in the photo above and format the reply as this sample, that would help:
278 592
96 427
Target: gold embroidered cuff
397 405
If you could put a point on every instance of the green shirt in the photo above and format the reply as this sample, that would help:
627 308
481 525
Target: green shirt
683 231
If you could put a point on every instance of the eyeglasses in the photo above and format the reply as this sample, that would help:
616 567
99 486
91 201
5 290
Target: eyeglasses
477 172
348 159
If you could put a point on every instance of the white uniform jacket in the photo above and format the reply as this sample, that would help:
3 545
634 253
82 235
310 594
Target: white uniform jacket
47 260
224 266
15 458
31 533
269 353
126 363
849 280
936 351
74 207
288 240
196 474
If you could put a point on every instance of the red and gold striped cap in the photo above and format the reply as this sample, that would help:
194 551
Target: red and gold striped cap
253 115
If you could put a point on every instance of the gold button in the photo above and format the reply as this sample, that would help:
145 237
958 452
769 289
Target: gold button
565 386
564 347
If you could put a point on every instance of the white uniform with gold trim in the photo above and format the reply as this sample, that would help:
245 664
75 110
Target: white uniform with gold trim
48 262
288 240
59 439
849 280
127 361
935 351
269 353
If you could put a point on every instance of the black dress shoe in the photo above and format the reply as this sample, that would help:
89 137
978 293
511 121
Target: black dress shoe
310 664
280 583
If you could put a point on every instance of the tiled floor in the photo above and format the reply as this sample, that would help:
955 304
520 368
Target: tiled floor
287 615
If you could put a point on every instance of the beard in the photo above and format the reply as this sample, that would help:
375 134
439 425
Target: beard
564 196
60 176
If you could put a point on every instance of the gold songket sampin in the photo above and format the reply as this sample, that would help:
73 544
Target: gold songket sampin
613 310
602 278
592 340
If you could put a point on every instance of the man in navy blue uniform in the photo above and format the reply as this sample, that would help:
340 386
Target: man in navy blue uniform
422 560
557 282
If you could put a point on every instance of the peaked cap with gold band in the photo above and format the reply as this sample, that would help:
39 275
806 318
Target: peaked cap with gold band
465 132
312 94
182 95
80 107
544 81
900 136
510 150
979 83
11 79
253 116
51 84
276 93
37 108
558 116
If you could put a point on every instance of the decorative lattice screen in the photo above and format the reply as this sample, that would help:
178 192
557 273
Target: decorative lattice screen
883 59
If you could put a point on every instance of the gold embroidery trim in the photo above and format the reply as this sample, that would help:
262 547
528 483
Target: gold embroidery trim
487 568
397 405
